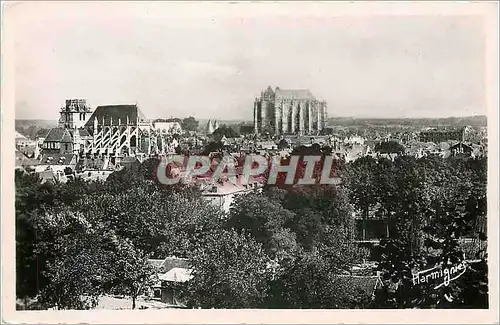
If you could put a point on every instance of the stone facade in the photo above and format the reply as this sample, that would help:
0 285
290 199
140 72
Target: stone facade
289 112
74 114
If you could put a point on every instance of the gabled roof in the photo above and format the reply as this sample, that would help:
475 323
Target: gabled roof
59 135
461 145
294 94
83 132
114 113
169 263
176 274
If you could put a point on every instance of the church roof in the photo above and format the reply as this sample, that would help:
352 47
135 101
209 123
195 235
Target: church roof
59 135
115 113
83 132
294 94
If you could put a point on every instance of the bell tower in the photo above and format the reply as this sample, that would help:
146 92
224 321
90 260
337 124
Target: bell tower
74 114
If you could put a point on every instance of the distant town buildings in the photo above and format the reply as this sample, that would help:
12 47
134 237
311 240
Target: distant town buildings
112 137
441 135
169 126
289 112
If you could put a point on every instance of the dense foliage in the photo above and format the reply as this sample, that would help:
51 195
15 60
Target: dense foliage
285 247
225 131
189 124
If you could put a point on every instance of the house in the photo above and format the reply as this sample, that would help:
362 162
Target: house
269 145
172 273
461 149
415 149
58 140
357 151
222 194
354 140
56 162
169 126
22 141
445 134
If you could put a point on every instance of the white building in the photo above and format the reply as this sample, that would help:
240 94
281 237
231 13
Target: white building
168 127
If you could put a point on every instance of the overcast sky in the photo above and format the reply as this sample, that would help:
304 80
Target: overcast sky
213 65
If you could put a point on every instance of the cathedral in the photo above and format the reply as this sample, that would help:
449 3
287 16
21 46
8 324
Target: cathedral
110 130
289 112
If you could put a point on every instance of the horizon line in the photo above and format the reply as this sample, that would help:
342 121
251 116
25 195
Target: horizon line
329 117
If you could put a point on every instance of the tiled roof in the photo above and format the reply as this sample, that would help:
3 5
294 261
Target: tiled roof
83 132
115 113
294 94
169 263
29 162
90 163
59 135
225 188
57 159
155 262
176 274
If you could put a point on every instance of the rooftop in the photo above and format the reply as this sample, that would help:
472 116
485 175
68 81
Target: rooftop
116 113
57 159
294 94
59 135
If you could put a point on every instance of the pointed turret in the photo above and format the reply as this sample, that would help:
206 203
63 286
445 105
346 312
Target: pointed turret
210 127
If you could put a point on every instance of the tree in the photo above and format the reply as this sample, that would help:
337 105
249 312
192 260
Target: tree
389 147
74 279
225 131
190 124
264 219
310 282
212 147
437 202
32 198
156 219
73 262
129 271
282 144
100 231
316 207
363 184
230 270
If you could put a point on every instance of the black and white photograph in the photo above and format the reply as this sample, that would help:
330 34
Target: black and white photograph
264 156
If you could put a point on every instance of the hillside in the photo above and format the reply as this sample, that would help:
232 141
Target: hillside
38 123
